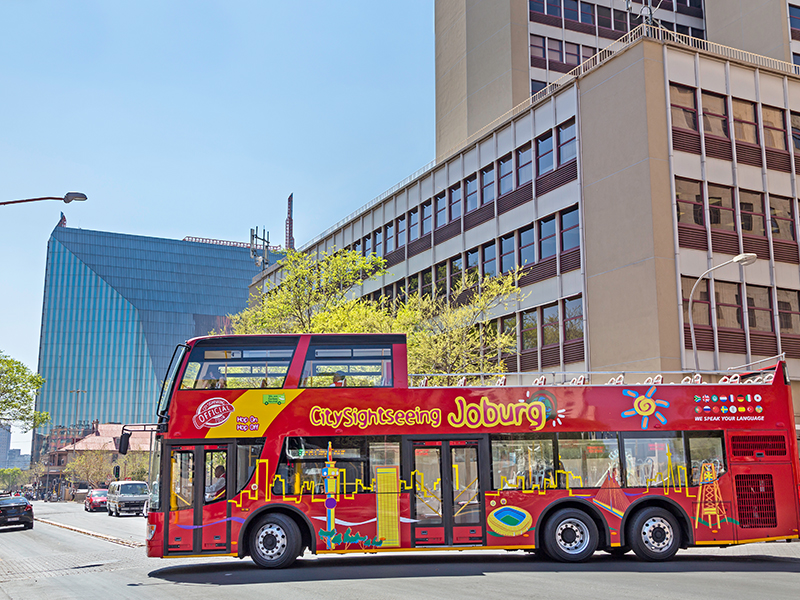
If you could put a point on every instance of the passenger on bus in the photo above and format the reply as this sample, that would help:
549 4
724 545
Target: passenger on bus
339 380
217 488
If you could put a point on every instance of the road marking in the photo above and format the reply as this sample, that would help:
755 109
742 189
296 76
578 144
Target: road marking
108 538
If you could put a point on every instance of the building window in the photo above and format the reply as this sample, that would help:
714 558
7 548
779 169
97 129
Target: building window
537 86
587 13
389 230
456 273
401 231
367 246
489 260
571 10
587 52
544 153
357 247
413 284
683 29
789 311
572 53
400 290
440 200
427 209
604 17
751 207
554 7
426 281
567 146
573 319
507 253
774 128
547 237
729 305
683 107
667 25
796 132
759 308
524 165
455 202
472 263
471 202
689 196
550 326
536 6
441 280
504 167
795 59
413 225
570 233
377 236
554 52
530 329
794 17
721 208
698 33
745 126
701 305
527 244
620 20
487 184
781 218
537 46
715 115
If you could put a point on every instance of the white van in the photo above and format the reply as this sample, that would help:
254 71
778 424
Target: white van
127 497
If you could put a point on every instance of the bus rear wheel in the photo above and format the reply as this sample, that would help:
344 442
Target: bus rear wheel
654 534
275 541
570 535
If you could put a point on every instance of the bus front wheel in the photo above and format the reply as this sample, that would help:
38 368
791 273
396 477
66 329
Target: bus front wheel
570 535
275 541
654 534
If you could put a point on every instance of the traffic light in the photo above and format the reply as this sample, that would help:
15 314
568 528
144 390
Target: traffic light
116 471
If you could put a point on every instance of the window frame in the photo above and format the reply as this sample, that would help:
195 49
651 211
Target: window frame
555 47
719 305
524 164
590 12
484 184
538 50
753 216
472 179
553 326
568 320
753 311
564 230
790 219
569 143
440 209
743 122
505 178
772 128
693 203
413 225
697 302
545 239
541 142
534 328
674 105
506 253
490 261
718 208
707 114
388 234
794 315
455 194
523 248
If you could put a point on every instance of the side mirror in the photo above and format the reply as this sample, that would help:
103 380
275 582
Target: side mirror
124 442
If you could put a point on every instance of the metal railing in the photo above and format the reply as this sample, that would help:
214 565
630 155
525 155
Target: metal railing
644 30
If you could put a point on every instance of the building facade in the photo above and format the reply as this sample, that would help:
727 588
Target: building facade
115 307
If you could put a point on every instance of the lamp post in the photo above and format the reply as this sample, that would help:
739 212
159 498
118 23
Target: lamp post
740 259
68 197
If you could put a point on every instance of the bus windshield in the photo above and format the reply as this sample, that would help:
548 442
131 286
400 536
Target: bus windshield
172 371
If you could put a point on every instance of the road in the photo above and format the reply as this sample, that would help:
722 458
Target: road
55 563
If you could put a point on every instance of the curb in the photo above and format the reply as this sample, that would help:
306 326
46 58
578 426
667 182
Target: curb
101 536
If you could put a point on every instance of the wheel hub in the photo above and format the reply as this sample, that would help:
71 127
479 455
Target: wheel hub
572 536
271 541
657 534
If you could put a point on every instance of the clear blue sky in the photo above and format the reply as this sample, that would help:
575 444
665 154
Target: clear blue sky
200 118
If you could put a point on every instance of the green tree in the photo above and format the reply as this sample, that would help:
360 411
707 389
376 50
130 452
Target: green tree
134 465
10 477
91 466
310 286
18 389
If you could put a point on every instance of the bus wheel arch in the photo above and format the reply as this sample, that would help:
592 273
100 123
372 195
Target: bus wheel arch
300 519
668 504
603 532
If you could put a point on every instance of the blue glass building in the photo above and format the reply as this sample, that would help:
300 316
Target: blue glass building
115 307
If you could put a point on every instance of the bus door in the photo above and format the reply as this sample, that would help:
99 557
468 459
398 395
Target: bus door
449 479
197 521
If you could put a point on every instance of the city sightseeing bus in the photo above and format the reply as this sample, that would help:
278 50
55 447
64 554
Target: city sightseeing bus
271 445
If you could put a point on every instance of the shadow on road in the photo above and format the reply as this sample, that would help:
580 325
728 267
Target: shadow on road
332 568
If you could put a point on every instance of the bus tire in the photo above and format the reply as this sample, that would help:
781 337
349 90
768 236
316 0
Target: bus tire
654 534
570 535
275 541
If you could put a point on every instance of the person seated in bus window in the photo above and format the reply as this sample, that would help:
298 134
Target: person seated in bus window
339 380
216 490
214 380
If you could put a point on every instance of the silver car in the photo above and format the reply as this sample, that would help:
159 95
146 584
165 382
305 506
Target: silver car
127 497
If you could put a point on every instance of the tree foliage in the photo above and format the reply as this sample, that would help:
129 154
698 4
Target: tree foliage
134 465
18 389
9 478
446 333
91 466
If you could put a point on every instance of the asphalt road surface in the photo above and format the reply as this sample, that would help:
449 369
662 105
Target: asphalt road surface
54 563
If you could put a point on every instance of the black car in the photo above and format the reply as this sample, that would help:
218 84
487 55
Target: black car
16 510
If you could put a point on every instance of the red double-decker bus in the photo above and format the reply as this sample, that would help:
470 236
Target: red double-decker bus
268 446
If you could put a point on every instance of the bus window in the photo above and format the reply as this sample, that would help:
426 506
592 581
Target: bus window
650 461
182 489
240 368
588 459
706 450
215 475
347 367
384 453
522 461
247 453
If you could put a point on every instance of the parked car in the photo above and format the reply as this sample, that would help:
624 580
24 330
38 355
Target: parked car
16 510
95 500
127 497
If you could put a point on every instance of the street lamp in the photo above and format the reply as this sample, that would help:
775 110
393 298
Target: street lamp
68 197
740 259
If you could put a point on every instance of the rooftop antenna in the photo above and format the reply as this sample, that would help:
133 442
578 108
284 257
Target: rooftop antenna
290 223
647 12
259 243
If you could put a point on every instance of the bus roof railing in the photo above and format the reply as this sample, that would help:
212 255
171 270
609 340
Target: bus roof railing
579 378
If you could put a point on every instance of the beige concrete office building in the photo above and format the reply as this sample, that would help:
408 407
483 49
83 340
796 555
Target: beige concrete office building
615 189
